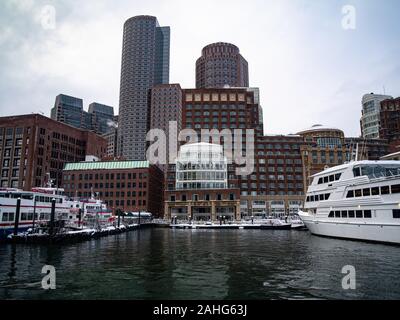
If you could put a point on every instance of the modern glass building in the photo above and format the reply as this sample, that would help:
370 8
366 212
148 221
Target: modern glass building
145 63
370 120
69 110
201 166
102 116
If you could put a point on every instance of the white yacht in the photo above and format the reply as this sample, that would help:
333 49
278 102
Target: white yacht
357 200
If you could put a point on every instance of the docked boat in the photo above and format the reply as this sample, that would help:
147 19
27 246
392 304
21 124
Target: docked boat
36 205
359 200
35 208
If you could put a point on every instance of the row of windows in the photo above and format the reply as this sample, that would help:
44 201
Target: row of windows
318 197
206 197
376 191
331 178
367 214
110 203
29 197
25 216
107 185
107 176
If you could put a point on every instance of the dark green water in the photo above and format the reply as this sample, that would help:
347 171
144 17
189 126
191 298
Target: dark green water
182 264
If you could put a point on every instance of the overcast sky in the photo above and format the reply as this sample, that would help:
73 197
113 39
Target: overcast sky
308 67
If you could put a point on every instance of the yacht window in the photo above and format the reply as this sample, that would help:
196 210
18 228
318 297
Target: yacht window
326 179
358 193
331 178
327 195
350 194
356 172
337 214
359 214
308 199
321 197
337 176
331 214
367 214
396 188
366 192
344 214
320 181
312 198
385 190
396 214
351 214
375 191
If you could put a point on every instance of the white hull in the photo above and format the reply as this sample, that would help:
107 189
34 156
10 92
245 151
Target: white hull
365 231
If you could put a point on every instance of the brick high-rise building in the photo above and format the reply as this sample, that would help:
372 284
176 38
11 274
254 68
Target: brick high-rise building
166 107
233 108
390 123
220 65
145 63
33 145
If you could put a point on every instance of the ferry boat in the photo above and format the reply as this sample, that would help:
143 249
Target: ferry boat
39 201
35 206
359 200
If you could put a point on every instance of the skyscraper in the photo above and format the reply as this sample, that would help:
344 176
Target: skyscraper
370 120
166 107
145 63
69 110
221 64
102 117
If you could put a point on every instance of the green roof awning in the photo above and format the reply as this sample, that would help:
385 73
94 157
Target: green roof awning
106 165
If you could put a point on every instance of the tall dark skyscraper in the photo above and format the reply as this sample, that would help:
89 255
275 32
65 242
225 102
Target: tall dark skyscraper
221 64
145 63
69 110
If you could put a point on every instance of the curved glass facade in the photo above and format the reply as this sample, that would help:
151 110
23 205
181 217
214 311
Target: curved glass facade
201 166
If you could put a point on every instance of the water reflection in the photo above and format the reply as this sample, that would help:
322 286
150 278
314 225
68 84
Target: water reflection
202 264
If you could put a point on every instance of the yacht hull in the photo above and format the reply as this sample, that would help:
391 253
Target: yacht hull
373 232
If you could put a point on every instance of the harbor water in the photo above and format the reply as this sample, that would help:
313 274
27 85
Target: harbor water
202 264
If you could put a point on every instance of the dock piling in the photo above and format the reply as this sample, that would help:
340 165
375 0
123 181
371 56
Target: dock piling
52 216
17 212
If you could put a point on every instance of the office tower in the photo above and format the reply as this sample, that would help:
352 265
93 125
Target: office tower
145 63
102 117
220 65
33 145
69 110
166 108
370 120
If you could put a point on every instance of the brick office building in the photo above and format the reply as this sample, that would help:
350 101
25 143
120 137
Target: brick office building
33 145
276 187
131 186
390 123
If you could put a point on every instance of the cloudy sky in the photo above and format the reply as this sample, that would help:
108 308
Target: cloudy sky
309 68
